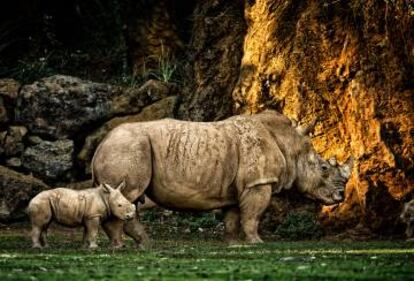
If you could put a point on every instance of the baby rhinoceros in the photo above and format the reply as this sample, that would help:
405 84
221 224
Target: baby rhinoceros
88 207
407 216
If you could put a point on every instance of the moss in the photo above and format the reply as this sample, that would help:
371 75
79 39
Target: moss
200 260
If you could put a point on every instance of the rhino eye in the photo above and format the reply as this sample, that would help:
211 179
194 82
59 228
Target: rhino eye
324 167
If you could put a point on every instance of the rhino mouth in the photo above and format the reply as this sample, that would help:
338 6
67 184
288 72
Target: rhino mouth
128 217
328 199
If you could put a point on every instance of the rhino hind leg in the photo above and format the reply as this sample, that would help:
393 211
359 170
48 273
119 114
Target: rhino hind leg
113 229
253 203
43 237
136 231
232 225
40 218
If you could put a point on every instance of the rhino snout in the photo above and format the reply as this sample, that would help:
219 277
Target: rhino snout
339 196
130 216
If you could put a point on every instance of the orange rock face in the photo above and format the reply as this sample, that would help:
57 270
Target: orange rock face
352 66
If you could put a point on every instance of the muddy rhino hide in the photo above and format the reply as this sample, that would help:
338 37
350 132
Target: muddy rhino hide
260 159
68 209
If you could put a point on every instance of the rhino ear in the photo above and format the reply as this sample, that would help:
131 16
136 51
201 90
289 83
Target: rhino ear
121 186
346 168
107 188
304 131
332 161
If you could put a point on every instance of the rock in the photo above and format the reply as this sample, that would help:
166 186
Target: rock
80 185
161 109
3 112
34 139
16 190
14 162
63 106
49 160
3 135
12 142
9 88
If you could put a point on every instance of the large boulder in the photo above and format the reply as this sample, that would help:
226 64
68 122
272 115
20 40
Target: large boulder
9 90
50 161
16 190
62 107
11 140
161 109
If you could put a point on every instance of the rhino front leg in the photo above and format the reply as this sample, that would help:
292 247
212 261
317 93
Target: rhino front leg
113 229
253 203
92 227
136 231
232 225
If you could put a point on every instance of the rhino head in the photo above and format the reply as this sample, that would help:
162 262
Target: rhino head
118 204
318 179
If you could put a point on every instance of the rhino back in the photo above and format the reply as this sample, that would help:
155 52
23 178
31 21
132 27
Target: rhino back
68 206
194 164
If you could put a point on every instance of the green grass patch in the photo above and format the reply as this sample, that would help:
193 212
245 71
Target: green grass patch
198 258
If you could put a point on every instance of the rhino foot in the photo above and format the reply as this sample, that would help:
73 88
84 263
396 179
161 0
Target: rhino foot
233 242
93 246
37 246
254 240
116 246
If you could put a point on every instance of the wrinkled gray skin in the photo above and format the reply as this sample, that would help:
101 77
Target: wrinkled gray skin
235 165
407 216
69 207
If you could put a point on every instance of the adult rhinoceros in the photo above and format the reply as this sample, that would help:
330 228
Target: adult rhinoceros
235 164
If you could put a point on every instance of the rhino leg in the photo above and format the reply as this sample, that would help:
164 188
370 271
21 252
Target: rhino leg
43 237
136 231
40 217
36 232
113 229
253 203
232 225
92 227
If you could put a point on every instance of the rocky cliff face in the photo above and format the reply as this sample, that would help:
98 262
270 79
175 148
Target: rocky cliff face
349 63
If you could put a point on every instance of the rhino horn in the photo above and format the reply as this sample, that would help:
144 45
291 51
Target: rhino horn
304 131
107 188
332 161
121 186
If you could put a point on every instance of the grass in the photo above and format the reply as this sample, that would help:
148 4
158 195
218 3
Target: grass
201 257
